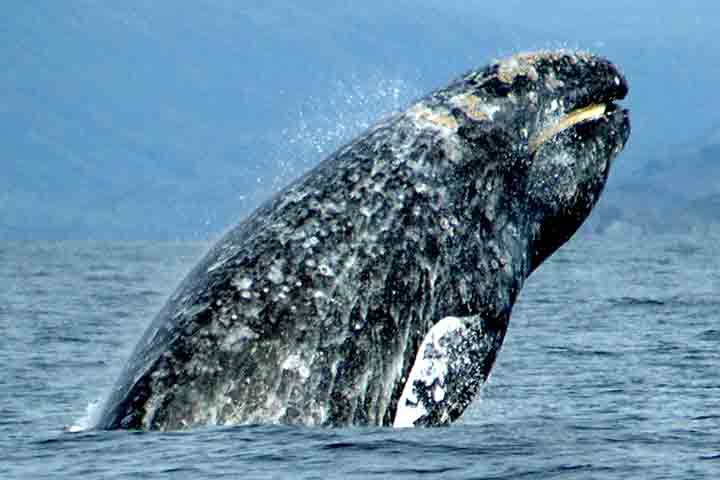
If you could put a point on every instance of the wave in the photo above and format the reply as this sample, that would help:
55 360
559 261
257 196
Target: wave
672 301
710 335
637 302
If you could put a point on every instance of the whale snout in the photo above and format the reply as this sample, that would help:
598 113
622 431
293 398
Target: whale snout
573 88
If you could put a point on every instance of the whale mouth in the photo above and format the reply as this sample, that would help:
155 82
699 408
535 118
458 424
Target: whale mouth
577 116
590 100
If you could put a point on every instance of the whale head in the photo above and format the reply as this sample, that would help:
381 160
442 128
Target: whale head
548 122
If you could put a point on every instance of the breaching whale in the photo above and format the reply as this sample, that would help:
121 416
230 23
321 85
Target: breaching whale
377 288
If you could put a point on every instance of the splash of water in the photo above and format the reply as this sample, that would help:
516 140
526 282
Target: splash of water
89 420
323 125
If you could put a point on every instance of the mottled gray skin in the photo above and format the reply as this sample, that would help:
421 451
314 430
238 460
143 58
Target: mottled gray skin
312 309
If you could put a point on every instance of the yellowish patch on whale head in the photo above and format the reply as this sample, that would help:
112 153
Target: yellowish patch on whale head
472 106
424 115
517 66
579 115
523 64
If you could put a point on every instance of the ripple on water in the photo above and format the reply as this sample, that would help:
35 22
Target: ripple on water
710 335
638 302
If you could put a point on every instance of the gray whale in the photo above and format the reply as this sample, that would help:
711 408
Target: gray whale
377 288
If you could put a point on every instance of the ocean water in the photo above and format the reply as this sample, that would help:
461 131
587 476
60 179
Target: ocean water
609 371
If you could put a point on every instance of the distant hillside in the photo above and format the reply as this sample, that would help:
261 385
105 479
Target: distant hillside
676 192
172 119
165 119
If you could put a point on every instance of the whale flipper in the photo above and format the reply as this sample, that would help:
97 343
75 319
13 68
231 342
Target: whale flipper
452 363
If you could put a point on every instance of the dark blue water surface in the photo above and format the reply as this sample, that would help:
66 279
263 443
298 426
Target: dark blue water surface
610 371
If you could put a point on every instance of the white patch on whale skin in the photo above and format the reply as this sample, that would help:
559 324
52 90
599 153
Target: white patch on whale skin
216 265
237 337
275 275
490 110
430 368
242 282
295 363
